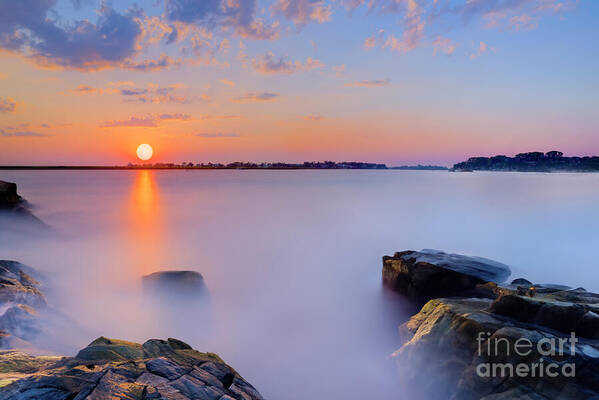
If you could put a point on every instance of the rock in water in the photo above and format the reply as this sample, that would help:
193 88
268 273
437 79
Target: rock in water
116 369
9 198
21 302
473 347
189 284
11 202
429 274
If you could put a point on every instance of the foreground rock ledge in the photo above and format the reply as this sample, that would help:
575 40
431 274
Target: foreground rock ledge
116 369
445 343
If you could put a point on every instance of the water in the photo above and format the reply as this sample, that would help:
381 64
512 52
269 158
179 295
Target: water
292 259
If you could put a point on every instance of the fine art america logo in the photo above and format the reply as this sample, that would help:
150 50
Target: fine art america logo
500 348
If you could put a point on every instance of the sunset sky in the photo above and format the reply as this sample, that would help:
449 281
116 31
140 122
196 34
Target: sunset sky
394 81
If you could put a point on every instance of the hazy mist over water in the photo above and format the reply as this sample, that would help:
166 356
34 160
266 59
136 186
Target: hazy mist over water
291 259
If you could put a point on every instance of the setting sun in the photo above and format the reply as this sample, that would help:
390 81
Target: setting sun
144 152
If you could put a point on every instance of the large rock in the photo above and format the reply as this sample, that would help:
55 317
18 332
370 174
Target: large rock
454 340
17 285
116 369
174 284
451 344
9 198
429 274
27 322
11 202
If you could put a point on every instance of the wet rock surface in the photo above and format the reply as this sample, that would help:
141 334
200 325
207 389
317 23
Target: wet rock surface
21 303
428 274
11 202
462 347
116 369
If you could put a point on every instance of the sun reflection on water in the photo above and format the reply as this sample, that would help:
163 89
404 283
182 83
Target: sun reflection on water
146 222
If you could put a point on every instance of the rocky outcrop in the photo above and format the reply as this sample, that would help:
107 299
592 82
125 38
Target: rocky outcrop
520 340
174 284
9 199
428 274
116 369
11 202
21 302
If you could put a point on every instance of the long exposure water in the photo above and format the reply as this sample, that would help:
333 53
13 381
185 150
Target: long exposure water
291 259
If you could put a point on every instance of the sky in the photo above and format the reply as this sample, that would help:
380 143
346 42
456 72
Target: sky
393 81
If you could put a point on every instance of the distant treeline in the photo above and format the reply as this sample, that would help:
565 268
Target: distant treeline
275 165
422 167
530 162
234 165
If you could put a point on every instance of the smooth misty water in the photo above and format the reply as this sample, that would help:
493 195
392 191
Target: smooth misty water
292 259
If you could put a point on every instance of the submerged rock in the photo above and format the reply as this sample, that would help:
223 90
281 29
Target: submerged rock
469 346
116 369
174 283
429 274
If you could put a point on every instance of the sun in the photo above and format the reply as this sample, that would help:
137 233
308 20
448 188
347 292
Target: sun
144 152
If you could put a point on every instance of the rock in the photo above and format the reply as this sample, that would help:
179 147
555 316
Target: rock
451 338
174 284
27 322
443 342
10 201
21 302
110 368
18 286
429 274
521 281
9 198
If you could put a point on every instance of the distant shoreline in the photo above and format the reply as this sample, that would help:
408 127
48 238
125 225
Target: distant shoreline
536 161
328 165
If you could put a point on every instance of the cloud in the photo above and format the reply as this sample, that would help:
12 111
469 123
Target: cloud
3 76
178 116
9 132
227 82
163 62
220 117
370 42
7 105
523 23
256 98
443 45
419 20
151 121
238 15
217 135
87 90
302 11
338 69
268 64
151 94
31 28
314 117
369 84
482 48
